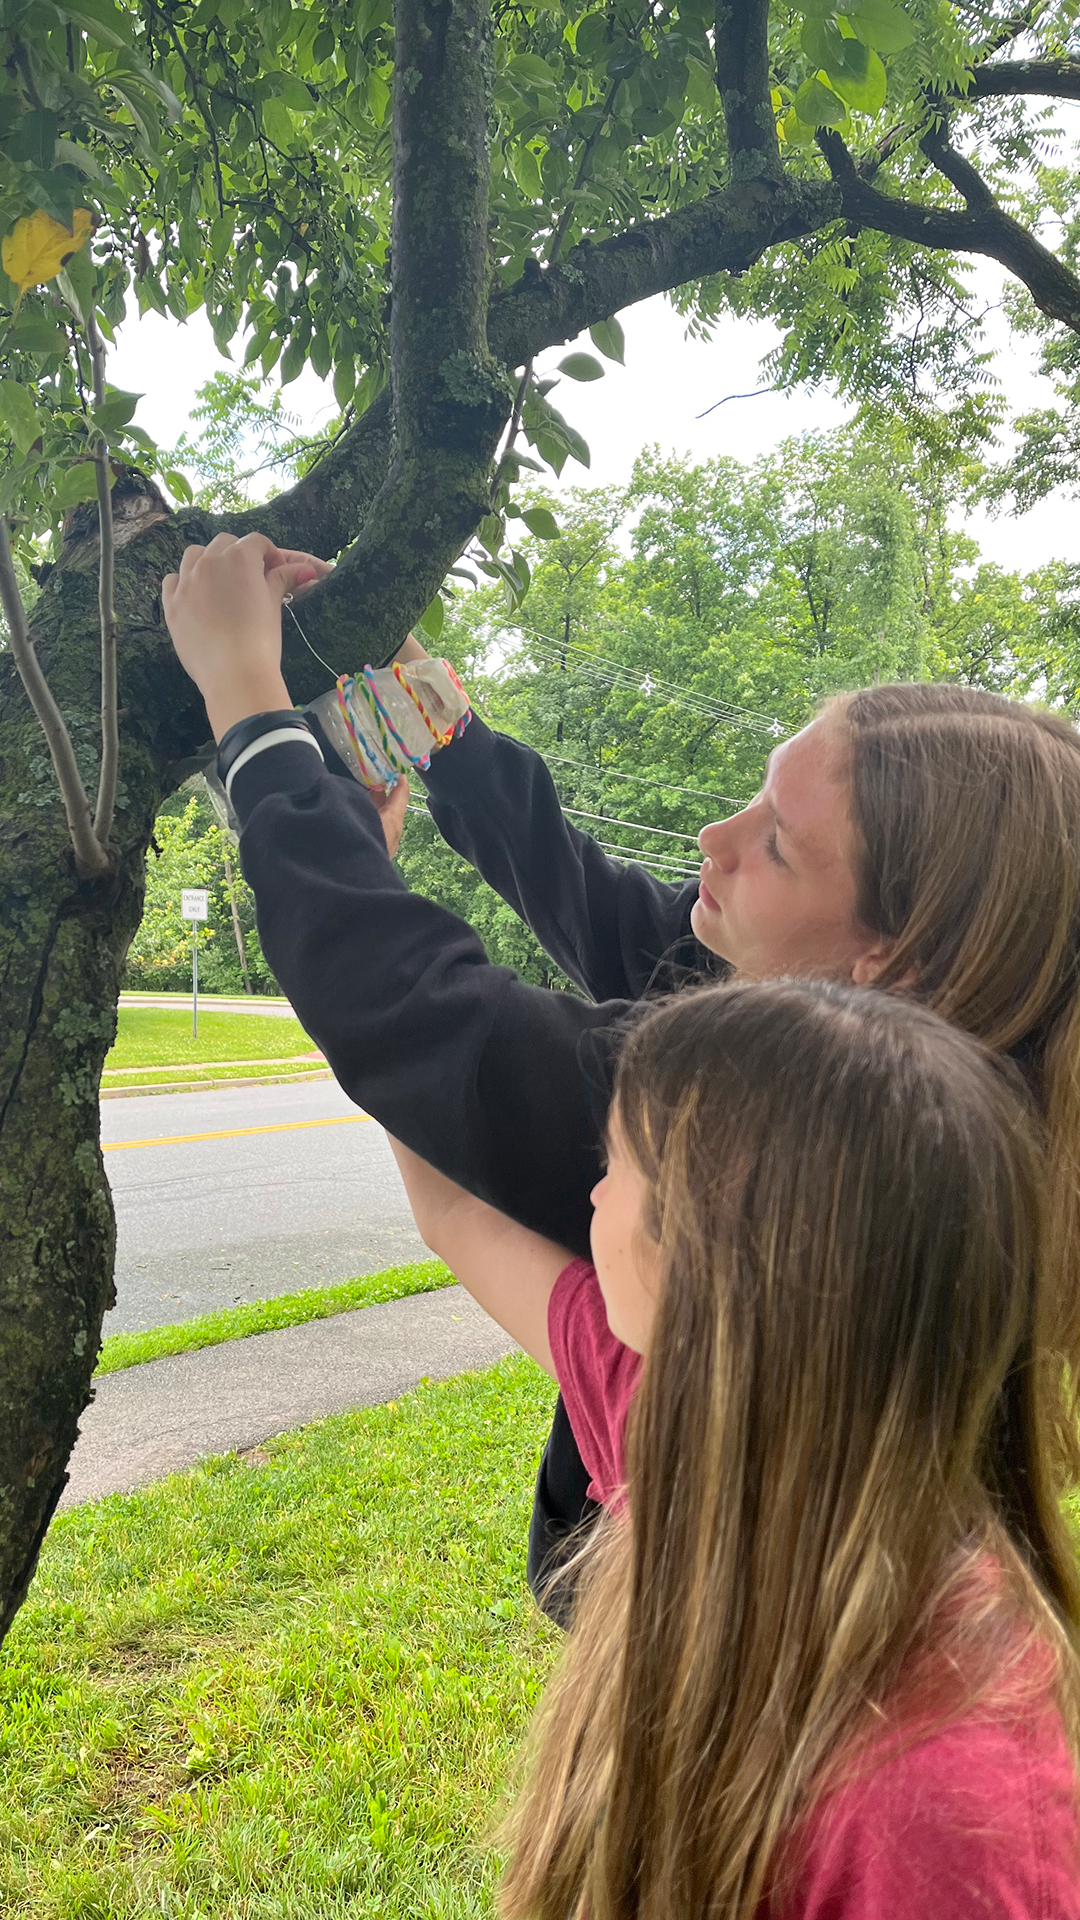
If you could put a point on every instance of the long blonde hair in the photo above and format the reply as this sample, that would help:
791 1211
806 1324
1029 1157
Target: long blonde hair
967 815
836 1432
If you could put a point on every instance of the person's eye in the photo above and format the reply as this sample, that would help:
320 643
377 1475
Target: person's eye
773 852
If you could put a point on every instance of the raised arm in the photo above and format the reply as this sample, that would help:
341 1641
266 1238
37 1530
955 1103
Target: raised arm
502 1086
509 1271
607 923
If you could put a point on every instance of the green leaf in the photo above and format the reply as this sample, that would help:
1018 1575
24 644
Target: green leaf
578 446
822 41
37 333
590 36
68 154
818 106
291 89
868 93
378 97
35 141
527 173
319 354
78 283
490 533
581 366
117 408
555 170
277 123
883 26
431 620
102 20
609 337
529 70
542 522
795 131
78 483
292 361
344 381
178 484
18 413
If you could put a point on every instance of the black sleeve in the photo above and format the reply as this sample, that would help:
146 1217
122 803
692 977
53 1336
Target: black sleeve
607 924
502 1086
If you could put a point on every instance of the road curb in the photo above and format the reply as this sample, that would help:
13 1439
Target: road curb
204 1086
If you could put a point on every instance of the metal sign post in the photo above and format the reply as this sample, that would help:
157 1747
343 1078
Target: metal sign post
193 907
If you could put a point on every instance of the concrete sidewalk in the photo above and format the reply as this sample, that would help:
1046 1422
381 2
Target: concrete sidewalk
149 1421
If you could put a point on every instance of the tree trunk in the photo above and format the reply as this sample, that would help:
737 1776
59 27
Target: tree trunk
237 934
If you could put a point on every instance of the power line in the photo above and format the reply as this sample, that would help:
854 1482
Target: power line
726 710
638 826
666 786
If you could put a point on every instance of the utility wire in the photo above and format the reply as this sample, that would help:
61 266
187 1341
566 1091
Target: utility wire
585 657
638 826
616 773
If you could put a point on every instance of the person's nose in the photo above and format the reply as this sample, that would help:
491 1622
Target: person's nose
719 842
597 1190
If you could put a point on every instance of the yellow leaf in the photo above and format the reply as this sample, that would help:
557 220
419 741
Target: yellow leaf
38 246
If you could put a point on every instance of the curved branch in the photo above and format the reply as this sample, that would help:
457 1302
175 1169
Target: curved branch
958 171
725 232
90 857
1060 79
985 229
110 725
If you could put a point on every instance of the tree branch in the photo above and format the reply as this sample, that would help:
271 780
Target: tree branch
450 398
1058 78
110 725
90 857
959 171
726 232
742 76
985 229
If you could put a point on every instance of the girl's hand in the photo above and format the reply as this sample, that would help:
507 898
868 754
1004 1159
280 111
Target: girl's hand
390 807
223 611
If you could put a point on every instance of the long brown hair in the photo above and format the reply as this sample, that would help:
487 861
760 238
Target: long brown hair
967 815
835 1434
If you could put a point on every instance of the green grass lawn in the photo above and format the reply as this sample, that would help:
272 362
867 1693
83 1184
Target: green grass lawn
287 1688
161 1037
120 1350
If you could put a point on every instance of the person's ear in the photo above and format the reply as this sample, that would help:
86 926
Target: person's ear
870 964
868 968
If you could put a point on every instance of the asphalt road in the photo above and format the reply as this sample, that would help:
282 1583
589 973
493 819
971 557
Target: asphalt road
204 1223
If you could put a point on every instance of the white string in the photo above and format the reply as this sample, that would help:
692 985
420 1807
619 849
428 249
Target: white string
288 602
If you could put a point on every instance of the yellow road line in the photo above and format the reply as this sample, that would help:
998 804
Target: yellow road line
234 1133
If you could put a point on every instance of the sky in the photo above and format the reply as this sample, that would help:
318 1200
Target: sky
659 397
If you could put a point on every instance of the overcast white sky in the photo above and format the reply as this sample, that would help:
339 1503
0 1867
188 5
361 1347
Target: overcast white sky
666 384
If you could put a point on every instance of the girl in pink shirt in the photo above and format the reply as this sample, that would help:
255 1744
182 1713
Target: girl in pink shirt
823 1663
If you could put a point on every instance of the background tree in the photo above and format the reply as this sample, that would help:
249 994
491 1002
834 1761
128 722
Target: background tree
418 204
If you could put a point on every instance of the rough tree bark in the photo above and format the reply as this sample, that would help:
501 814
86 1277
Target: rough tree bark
407 486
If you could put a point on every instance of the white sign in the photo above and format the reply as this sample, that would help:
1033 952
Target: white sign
193 903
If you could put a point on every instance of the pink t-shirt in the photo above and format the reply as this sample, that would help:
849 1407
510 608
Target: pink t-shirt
976 1821
597 1375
